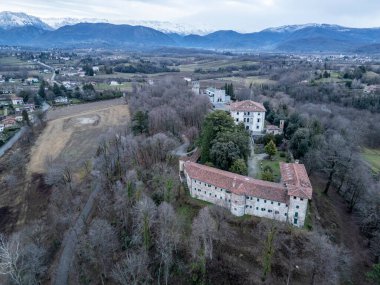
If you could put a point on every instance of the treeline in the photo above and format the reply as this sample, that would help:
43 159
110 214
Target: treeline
146 68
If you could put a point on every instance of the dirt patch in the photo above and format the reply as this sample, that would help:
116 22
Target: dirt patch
73 133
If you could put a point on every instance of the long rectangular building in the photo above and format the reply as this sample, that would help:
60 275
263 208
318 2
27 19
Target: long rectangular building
286 201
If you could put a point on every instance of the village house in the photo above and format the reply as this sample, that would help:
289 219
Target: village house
61 100
217 95
250 113
196 87
286 201
32 80
275 130
2 126
8 122
17 100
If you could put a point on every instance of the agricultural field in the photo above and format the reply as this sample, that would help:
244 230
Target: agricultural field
247 81
372 157
72 133
213 64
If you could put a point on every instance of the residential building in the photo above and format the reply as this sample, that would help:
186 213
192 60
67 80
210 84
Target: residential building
286 201
275 130
61 100
250 113
217 95
196 87
17 101
2 126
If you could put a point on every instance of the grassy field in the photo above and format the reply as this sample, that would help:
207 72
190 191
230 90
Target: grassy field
247 81
126 86
372 156
213 64
274 164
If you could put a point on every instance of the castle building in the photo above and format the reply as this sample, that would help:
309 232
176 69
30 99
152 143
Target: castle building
251 113
286 201
217 95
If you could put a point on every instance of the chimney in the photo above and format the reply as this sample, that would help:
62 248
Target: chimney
234 182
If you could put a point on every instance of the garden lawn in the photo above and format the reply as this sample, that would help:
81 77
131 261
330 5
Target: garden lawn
273 163
372 156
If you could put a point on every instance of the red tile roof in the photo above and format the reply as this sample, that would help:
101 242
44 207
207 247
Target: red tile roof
235 183
297 181
247 106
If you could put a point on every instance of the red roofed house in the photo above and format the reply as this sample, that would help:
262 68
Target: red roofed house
286 201
251 113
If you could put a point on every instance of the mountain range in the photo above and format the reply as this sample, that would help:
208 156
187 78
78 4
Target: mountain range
24 30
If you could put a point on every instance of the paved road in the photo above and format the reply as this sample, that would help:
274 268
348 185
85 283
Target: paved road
71 239
254 162
52 80
12 141
182 149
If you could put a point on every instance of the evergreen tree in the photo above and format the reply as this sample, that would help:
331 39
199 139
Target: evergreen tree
140 123
240 167
271 149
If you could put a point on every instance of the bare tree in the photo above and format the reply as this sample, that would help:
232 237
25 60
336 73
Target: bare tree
133 269
168 237
11 262
203 232
144 217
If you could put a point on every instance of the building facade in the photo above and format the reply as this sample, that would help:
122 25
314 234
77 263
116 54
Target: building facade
250 113
286 201
217 95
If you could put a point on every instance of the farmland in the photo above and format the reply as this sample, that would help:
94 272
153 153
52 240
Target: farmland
72 132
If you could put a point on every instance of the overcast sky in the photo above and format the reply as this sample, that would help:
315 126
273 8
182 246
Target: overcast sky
242 15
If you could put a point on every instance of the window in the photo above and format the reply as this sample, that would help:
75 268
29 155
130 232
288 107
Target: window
215 196
258 120
276 212
295 221
270 211
250 207
235 209
258 200
279 204
229 200
251 198
237 120
301 199
259 114
237 113
286 214
247 127
265 201
205 184
248 113
205 192
221 198
296 215
246 206
247 120
257 127
271 202
257 208
295 198
297 207
216 187
263 209
209 194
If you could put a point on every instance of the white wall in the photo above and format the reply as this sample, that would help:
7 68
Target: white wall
298 210
253 120
248 205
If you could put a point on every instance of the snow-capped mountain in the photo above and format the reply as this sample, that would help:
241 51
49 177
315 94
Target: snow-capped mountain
165 27
57 23
9 20
170 27
294 28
